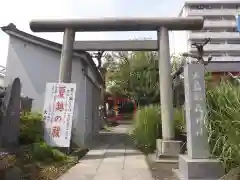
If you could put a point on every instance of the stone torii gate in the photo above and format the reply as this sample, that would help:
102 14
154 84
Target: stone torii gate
161 25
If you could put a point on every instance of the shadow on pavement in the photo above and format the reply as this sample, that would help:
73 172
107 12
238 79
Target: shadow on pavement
110 155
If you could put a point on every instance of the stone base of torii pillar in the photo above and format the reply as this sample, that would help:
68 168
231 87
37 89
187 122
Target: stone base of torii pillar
168 148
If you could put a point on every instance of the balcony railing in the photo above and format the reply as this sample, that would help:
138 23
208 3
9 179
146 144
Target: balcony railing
219 47
214 35
212 12
219 23
225 58
229 64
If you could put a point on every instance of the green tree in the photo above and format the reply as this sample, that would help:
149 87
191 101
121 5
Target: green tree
133 74
136 75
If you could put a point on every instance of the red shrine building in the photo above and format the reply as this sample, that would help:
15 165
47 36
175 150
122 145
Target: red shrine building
117 106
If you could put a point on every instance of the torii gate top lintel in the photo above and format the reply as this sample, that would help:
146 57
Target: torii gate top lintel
117 24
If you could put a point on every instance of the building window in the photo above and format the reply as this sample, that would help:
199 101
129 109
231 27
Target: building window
208 7
215 6
234 54
214 54
222 30
231 30
193 7
213 18
236 41
216 41
233 41
230 6
232 18
216 30
196 7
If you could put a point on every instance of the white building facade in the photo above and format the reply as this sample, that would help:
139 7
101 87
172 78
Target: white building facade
36 61
219 25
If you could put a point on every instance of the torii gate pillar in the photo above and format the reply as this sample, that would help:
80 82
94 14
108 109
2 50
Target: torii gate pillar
165 80
65 69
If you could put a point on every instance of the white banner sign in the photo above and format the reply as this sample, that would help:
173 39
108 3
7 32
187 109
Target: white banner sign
57 113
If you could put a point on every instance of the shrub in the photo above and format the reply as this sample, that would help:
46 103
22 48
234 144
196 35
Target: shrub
43 152
147 127
31 133
223 122
179 122
31 128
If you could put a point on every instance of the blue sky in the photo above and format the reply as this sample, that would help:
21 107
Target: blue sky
21 12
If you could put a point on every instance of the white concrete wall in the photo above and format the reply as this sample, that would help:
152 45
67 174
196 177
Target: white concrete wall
35 66
92 105
1 80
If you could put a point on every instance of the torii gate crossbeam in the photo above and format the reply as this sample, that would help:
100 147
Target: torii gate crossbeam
117 24
119 45
161 25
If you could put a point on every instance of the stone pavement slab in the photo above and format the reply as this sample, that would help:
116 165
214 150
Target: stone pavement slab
114 159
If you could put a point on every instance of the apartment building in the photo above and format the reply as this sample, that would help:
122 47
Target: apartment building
2 75
220 26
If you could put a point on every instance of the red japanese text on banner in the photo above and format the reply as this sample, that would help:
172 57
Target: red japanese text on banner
60 97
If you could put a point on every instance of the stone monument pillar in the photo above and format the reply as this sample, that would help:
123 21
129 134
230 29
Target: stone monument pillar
10 123
197 164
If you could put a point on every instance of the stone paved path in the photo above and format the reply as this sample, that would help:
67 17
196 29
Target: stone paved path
113 159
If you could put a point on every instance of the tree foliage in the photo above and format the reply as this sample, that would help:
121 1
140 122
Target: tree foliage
133 74
136 75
